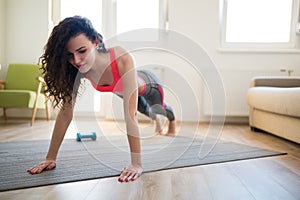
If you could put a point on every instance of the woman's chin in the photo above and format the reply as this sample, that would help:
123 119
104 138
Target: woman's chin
83 69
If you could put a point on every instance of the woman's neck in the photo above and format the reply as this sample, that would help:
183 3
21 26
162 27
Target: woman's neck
102 61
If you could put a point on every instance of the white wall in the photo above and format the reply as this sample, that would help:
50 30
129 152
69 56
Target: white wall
2 41
2 36
27 30
198 19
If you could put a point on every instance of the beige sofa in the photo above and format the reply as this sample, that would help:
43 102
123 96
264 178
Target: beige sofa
275 106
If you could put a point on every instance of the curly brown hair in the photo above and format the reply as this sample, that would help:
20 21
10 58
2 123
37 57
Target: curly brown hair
63 79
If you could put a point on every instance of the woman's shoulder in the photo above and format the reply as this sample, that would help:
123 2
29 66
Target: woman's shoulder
122 55
119 51
124 59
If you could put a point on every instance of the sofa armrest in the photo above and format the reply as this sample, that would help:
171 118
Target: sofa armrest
275 81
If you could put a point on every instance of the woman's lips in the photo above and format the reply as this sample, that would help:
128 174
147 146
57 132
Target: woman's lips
79 66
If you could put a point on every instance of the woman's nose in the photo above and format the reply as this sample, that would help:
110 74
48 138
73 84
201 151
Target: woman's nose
77 59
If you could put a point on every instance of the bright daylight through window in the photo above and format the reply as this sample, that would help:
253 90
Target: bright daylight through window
130 18
256 22
78 7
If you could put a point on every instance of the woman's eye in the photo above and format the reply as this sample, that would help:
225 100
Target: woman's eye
82 51
69 56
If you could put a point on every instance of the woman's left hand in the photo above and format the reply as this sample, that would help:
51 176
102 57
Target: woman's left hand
130 173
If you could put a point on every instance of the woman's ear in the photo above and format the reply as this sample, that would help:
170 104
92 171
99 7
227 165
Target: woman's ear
97 43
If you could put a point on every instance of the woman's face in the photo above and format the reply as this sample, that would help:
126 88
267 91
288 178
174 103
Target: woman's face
81 52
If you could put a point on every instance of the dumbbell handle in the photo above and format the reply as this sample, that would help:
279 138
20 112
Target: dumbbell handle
81 136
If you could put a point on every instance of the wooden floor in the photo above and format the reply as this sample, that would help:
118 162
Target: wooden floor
264 178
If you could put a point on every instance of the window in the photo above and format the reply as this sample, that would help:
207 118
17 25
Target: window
113 17
137 14
259 24
90 9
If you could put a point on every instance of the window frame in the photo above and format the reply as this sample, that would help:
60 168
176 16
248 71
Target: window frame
292 45
109 16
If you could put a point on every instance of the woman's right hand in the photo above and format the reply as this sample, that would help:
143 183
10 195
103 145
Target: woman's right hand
45 165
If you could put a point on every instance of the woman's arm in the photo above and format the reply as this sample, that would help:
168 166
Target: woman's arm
62 122
130 98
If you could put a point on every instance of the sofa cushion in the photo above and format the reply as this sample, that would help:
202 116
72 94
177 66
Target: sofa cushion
275 81
285 101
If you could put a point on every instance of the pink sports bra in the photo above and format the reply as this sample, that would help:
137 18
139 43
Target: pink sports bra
117 85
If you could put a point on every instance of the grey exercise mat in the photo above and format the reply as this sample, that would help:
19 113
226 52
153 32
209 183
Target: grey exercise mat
106 157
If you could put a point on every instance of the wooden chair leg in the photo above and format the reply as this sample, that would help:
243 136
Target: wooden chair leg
33 115
47 110
4 114
35 103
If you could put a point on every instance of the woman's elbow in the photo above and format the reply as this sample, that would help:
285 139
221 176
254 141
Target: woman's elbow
66 113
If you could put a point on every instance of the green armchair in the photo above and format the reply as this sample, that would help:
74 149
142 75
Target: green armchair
23 88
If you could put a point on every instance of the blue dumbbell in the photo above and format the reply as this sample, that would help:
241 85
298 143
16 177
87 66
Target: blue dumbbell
80 136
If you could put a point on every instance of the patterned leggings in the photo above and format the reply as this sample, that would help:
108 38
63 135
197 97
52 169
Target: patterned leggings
151 101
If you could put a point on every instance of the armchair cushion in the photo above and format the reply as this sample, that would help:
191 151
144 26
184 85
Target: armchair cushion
21 99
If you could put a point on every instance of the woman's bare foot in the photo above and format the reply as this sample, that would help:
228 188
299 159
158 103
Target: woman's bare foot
158 128
171 128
